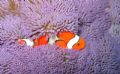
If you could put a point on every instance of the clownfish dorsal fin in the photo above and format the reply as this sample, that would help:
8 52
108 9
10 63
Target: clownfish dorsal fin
65 35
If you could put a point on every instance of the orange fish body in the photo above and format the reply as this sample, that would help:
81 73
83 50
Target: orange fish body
70 40
42 40
64 39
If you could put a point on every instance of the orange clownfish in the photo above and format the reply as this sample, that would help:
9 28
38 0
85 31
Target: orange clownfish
42 40
64 39
68 40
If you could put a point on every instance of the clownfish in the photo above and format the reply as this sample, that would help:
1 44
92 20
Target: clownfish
64 39
42 40
68 40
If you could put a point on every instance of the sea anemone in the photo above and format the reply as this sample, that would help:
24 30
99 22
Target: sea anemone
33 18
49 17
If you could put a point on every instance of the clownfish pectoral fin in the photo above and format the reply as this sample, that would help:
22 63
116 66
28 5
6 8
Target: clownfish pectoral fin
79 45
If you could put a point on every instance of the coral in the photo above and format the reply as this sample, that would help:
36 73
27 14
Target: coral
91 19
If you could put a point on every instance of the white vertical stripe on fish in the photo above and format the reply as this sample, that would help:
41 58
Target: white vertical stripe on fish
72 42
29 42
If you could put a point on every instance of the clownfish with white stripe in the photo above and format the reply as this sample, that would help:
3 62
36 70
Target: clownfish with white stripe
63 39
68 40
42 40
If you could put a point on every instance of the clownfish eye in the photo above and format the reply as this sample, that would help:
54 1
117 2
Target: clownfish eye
78 43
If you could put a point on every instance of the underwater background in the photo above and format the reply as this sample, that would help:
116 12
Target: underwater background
97 21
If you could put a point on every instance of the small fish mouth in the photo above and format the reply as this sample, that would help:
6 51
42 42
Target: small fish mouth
21 42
